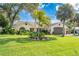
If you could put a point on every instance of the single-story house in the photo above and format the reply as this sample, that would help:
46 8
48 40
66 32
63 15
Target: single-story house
55 28
31 26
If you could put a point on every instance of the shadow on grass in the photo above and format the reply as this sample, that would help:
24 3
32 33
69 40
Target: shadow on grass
53 38
19 40
4 41
22 40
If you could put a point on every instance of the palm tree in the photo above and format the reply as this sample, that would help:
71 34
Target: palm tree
64 13
40 18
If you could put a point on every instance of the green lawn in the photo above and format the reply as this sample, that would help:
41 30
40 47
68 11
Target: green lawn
11 45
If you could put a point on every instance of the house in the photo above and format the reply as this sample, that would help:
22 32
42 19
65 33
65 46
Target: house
55 28
20 24
30 26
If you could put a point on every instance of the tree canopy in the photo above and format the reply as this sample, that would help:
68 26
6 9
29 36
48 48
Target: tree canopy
65 12
3 21
11 10
40 17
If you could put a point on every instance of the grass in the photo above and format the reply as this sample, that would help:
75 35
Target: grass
19 45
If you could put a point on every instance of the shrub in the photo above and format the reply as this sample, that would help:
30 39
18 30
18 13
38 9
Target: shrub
12 31
23 31
44 31
8 30
33 34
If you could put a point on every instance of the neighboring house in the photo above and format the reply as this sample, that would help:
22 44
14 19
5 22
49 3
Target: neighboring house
57 28
77 30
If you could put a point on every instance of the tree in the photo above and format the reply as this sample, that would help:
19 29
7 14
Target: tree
71 26
3 21
41 19
76 21
30 7
76 18
65 12
38 15
10 11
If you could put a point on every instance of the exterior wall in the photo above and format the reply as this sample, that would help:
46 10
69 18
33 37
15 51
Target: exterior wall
57 28
25 26
33 29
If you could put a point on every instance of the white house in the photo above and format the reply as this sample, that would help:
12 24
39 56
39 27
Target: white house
55 28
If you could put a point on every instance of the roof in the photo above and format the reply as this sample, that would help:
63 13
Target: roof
30 24
58 24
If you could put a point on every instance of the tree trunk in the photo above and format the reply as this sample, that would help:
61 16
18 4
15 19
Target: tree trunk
74 30
74 27
38 31
64 29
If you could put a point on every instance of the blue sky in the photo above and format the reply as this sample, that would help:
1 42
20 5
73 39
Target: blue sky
49 8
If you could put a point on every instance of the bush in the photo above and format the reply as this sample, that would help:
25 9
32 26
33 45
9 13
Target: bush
3 21
8 30
33 34
23 31
44 31
12 31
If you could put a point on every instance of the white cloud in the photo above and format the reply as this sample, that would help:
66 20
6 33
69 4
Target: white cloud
76 6
42 5
57 7
55 21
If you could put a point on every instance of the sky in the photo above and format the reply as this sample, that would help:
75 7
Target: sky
49 9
